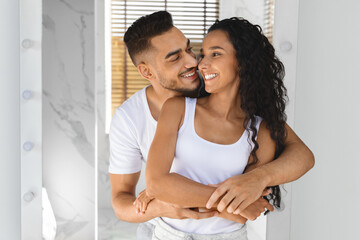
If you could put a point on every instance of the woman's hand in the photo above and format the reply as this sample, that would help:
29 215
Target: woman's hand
142 202
237 192
252 212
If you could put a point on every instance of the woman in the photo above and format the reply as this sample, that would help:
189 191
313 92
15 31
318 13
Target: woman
240 125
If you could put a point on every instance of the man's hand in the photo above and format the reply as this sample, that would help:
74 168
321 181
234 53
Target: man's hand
232 217
255 209
238 192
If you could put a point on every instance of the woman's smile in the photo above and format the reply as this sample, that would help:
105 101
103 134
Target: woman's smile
210 76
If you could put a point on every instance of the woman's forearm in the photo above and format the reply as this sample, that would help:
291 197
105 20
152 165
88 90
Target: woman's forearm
177 189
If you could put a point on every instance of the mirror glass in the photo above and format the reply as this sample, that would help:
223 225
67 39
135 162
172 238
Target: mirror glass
86 76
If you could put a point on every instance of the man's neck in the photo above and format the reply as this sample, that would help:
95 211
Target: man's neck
156 97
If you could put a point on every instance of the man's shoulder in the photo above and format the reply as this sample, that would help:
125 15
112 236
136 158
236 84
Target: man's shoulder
133 105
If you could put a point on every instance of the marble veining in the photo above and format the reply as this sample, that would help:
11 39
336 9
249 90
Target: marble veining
88 90
72 8
69 115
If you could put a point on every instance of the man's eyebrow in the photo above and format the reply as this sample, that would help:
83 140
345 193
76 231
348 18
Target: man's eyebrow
172 53
176 51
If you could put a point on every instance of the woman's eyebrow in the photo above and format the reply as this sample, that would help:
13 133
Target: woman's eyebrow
213 48
216 47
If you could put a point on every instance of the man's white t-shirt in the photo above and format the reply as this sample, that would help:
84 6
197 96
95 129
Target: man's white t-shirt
131 133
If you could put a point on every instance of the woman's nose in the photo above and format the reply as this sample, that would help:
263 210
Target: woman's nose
203 63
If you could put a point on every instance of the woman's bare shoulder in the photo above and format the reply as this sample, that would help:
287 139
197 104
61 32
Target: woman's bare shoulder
174 105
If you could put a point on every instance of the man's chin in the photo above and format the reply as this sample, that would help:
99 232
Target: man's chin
193 93
186 92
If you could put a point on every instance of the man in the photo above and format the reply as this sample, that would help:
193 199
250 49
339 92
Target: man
163 56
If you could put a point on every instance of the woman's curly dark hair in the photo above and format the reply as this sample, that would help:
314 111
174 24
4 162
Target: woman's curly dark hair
262 90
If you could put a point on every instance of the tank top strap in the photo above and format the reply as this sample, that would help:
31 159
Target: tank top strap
190 106
258 121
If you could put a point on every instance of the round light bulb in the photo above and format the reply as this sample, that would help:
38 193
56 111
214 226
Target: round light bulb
29 196
27 43
285 46
28 146
27 94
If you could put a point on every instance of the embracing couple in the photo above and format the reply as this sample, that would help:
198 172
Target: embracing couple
210 161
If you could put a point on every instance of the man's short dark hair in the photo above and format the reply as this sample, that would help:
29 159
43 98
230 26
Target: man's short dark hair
137 37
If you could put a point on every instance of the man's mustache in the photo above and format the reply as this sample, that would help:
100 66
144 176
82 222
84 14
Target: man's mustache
189 70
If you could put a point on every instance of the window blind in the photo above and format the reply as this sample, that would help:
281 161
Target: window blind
192 17
269 19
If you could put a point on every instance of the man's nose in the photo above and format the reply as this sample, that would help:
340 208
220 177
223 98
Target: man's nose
190 61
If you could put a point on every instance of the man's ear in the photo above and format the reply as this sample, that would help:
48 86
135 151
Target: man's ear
145 71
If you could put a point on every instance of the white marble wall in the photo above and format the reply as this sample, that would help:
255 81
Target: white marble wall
69 116
252 10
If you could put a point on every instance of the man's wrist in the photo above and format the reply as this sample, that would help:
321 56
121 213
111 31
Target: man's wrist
262 175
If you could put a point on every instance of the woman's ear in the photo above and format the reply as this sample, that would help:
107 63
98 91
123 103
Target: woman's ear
145 71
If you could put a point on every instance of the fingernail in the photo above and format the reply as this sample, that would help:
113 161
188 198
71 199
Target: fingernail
208 206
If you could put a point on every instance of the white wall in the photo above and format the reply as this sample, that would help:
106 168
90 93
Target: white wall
285 44
10 222
20 121
325 202
31 118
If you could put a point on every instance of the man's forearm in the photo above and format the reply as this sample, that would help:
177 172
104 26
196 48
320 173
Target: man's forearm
294 162
125 210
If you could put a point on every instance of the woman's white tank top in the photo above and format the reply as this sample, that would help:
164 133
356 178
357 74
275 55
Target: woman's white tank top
208 163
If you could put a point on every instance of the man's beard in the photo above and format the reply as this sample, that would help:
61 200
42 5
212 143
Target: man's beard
185 92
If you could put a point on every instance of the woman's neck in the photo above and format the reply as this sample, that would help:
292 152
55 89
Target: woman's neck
226 104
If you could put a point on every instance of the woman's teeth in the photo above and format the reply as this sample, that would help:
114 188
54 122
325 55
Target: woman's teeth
210 76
